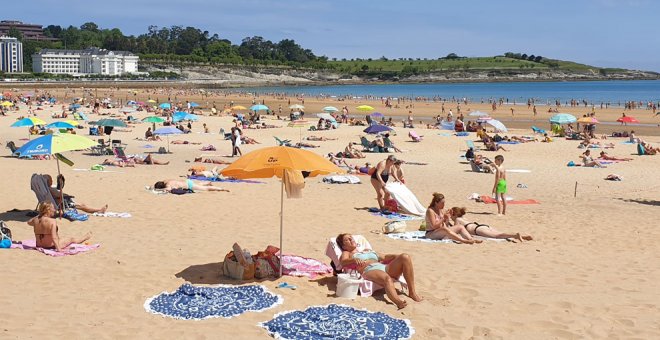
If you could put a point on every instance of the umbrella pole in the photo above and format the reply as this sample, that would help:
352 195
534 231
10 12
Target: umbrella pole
281 219
61 189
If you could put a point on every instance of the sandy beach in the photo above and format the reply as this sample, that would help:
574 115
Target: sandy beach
588 273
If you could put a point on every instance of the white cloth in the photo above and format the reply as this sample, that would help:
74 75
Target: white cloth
238 140
407 201
341 179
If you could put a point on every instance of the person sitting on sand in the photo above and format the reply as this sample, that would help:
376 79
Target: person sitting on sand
491 146
437 223
386 140
589 161
474 228
210 160
381 269
188 184
178 141
377 142
57 194
604 156
46 231
247 140
319 139
351 152
546 138
648 149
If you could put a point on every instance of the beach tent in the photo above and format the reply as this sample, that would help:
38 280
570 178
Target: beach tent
281 162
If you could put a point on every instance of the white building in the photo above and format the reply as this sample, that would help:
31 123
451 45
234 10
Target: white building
11 55
82 62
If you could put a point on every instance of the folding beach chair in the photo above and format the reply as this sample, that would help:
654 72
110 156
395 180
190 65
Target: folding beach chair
333 251
280 142
227 136
538 130
414 136
119 153
39 186
478 168
367 145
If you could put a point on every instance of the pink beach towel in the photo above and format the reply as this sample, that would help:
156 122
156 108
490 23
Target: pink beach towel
294 265
71 250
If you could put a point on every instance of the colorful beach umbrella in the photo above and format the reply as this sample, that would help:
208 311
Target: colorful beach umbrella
364 108
179 116
330 109
153 119
299 123
377 128
377 115
238 107
588 120
30 121
259 107
165 106
7 104
151 101
627 119
273 161
563 118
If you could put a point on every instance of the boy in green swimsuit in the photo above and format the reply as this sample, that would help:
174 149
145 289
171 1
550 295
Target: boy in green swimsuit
499 188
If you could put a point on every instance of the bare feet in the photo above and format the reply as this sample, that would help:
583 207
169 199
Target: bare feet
86 237
519 237
477 241
103 210
527 237
401 304
415 297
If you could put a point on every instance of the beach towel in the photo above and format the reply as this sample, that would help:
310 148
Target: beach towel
224 179
341 179
395 216
508 142
337 322
196 303
112 214
294 265
71 250
294 182
406 200
462 134
418 235
489 200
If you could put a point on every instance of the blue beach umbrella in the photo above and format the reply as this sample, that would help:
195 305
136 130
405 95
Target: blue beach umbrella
330 109
377 115
165 106
60 125
167 131
563 118
374 129
179 116
259 107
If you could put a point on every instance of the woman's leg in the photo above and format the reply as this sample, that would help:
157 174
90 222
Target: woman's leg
382 278
379 192
460 229
402 264
67 242
90 210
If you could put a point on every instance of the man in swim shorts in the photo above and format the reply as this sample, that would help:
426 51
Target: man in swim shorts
499 188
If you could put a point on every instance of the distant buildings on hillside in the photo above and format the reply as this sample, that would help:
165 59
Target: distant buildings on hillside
11 55
29 31
84 62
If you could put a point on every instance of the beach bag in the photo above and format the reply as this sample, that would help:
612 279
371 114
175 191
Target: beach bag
267 263
74 215
233 269
5 235
394 227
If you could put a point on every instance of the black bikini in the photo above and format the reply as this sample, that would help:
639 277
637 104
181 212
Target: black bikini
385 176
477 226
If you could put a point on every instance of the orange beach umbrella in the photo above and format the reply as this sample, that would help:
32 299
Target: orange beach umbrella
273 161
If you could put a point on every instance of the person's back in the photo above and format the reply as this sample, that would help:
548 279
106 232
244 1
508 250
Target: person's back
43 231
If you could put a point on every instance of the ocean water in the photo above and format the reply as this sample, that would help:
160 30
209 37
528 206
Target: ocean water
614 92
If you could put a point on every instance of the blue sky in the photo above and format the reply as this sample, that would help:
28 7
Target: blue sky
609 33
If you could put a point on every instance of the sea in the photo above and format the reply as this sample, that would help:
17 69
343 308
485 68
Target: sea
614 93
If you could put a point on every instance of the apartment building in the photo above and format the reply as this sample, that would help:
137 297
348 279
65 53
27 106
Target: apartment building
83 62
11 55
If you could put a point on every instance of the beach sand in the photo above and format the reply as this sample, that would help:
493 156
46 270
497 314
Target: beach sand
589 273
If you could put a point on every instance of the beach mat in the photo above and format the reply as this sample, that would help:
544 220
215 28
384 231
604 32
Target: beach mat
337 322
112 214
396 216
489 200
71 250
224 180
294 265
418 235
224 301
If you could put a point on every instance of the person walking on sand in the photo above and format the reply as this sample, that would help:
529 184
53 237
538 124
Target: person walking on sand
499 188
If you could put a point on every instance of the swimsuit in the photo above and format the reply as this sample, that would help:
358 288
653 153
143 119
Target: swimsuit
383 175
369 255
477 226
501 186
190 184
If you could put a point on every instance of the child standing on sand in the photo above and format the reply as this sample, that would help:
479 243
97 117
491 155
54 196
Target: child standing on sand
499 188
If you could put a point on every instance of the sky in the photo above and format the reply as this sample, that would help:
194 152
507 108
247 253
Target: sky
605 33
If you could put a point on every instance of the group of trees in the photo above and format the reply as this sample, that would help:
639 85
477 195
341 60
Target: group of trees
173 43
523 56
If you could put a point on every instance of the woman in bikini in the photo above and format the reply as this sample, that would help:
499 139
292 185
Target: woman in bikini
381 269
46 230
474 228
437 223
380 176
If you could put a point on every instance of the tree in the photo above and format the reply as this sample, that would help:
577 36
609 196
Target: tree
452 56
89 26
365 68
538 59
531 57
524 56
53 31
15 33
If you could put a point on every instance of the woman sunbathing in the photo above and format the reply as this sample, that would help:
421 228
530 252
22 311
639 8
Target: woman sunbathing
474 228
210 160
46 230
381 269
606 157
437 223
118 162
319 139
589 161
178 141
